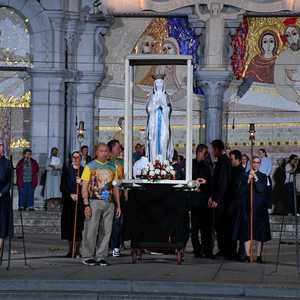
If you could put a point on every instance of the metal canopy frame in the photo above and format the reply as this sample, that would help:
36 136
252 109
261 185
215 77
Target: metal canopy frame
151 59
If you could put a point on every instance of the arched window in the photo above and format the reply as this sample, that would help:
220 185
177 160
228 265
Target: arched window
15 81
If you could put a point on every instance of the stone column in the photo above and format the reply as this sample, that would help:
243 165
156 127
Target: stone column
47 112
90 68
85 103
214 76
71 43
213 83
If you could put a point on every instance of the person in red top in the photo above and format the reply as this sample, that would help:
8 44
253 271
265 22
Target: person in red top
27 179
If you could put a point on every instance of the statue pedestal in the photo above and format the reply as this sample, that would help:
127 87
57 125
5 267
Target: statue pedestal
157 220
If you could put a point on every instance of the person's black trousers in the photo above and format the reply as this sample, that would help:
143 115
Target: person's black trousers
224 225
201 220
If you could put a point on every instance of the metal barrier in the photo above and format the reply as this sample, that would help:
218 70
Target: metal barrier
296 186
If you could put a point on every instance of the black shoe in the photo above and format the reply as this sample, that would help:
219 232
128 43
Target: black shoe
31 209
198 255
210 256
220 255
90 262
259 260
102 263
68 255
242 258
247 258
21 209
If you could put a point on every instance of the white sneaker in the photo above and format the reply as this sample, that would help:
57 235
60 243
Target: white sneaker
116 252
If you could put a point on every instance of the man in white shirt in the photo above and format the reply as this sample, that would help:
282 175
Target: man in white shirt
139 166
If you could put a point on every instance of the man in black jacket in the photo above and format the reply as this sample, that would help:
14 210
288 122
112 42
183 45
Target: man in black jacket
6 217
220 198
201 216
234 211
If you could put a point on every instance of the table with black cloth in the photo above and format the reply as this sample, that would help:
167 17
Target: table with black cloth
157 219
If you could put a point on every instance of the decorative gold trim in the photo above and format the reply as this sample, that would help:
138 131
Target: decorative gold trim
16 102
19 144
265 143
228 126
265 125
266 90
247 144
142 128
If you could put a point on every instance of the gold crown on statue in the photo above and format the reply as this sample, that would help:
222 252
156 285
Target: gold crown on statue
159 76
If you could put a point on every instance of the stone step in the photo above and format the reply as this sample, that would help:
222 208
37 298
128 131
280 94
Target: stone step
117 296
117 289
41 221
288 226
287 219
38 221
38 229
38 213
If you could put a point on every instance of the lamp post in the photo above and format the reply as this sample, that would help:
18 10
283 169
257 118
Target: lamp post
80 132
252 139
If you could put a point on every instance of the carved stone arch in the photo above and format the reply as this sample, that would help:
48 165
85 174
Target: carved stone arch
41 35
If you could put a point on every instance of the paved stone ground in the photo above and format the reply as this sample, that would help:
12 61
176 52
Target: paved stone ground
46 264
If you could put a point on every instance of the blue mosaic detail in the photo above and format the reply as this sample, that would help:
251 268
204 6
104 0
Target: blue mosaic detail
188 43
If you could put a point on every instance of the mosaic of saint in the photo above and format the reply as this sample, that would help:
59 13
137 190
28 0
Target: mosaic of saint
166 36
267 50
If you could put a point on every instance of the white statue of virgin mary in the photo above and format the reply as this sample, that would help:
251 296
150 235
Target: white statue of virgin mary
159 109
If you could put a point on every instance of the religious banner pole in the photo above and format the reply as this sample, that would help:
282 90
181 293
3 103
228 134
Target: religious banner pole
252 139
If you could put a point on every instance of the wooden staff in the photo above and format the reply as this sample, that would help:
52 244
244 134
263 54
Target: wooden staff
76 208
252 138
251 218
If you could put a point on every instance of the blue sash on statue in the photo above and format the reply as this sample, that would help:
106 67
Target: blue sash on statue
159 121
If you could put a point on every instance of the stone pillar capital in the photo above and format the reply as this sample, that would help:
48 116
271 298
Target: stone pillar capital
214 82
101 30
72 39
214 87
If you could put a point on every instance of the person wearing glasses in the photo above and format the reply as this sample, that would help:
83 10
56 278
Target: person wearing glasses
261 224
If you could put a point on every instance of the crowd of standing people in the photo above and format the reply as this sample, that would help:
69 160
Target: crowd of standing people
223 206
219 206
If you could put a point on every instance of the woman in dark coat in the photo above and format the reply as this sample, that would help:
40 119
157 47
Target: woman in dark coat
68 187
6 217
261 224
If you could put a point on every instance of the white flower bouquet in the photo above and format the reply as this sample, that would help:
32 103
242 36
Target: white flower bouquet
158 171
